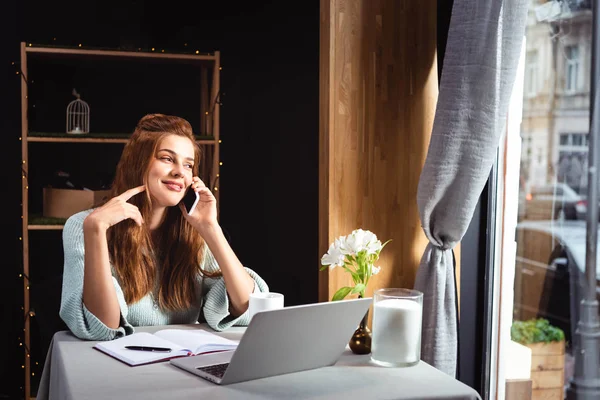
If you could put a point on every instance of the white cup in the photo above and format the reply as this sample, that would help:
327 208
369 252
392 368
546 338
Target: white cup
264 301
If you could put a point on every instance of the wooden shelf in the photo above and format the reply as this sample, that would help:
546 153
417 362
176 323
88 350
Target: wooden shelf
40 223
87 139
59 137
45 227
83 52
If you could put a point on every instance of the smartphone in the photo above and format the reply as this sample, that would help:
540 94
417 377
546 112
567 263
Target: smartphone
190 200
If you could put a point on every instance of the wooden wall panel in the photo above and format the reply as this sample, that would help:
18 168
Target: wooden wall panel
378 92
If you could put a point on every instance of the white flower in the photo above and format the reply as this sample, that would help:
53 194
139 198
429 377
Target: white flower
374 246
334 257
360 240
357 253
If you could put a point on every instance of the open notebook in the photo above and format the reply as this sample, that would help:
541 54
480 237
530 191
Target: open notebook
181 342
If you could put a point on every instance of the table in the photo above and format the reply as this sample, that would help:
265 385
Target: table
74 370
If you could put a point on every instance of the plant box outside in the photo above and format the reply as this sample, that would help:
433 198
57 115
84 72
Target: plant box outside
547 370
62 203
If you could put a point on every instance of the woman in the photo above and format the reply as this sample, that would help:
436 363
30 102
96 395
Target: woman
139 259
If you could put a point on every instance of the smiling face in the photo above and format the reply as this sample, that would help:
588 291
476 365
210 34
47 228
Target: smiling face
170 171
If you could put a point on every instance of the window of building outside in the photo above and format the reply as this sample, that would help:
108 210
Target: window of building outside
549 266
572 68
531 72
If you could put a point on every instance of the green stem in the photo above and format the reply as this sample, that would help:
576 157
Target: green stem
368 276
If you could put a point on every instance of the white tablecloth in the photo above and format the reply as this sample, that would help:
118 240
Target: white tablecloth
75 371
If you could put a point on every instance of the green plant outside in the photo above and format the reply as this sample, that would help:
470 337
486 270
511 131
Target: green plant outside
535 331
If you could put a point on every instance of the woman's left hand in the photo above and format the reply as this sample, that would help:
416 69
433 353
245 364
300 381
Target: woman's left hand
205 214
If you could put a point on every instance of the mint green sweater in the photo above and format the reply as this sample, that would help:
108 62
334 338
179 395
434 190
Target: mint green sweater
212 303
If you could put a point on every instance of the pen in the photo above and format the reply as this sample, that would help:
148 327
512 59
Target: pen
149 348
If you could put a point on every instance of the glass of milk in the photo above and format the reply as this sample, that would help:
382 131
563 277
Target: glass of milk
396 326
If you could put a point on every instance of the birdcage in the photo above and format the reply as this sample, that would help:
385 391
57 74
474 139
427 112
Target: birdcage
78 116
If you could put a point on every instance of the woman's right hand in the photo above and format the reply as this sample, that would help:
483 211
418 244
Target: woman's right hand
116 210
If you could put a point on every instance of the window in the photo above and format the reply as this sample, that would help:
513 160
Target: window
564 139
531 72
572 160
573 142
543 203
572 80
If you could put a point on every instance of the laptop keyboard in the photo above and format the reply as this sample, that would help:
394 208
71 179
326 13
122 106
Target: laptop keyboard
217 370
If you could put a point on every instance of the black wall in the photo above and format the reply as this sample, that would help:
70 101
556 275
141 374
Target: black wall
269 125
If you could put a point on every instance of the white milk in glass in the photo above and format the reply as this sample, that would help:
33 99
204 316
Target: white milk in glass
396 332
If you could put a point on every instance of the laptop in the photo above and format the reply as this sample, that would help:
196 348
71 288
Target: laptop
281 341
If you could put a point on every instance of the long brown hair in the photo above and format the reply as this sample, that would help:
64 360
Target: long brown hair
177 247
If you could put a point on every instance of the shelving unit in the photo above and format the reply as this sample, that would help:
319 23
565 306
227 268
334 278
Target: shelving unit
209 140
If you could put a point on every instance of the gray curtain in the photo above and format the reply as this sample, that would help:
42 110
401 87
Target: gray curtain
479 69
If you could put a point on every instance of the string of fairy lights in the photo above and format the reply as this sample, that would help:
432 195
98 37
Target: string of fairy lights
29 314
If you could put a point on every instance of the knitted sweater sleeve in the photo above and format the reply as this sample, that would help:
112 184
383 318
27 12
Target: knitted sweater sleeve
73 312
216 301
